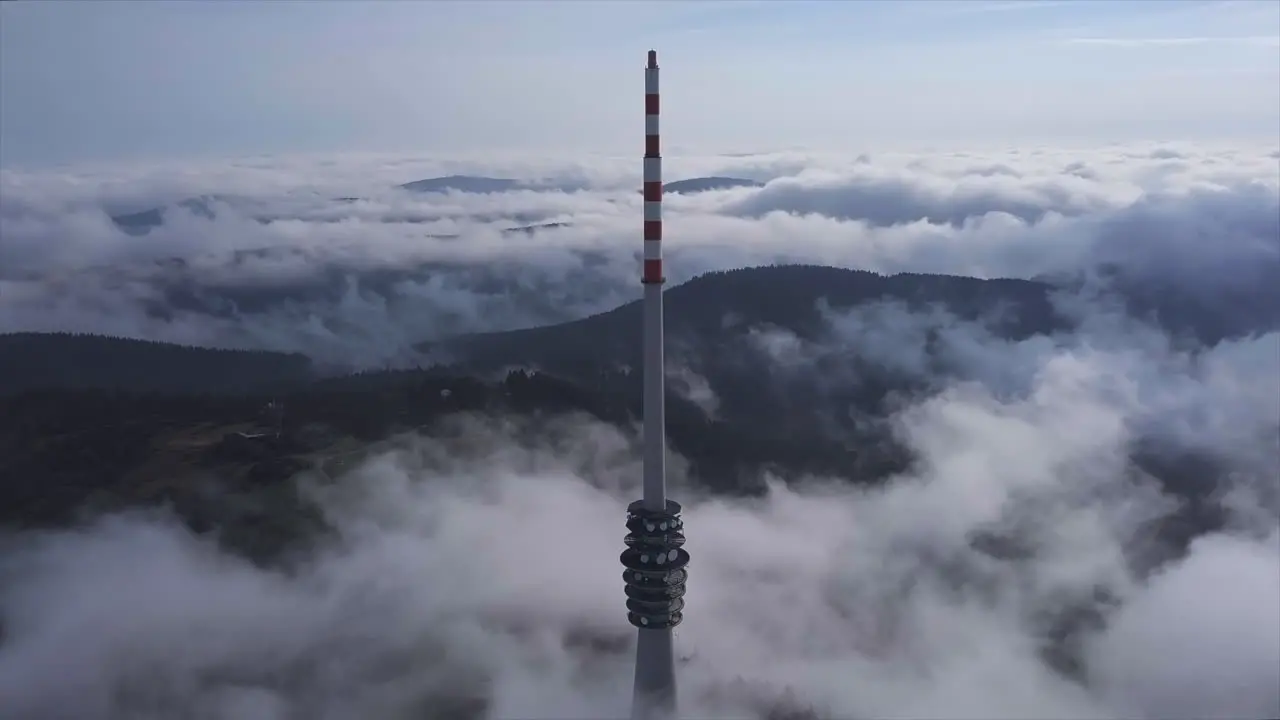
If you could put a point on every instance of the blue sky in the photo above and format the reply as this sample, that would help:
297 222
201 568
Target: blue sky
121 80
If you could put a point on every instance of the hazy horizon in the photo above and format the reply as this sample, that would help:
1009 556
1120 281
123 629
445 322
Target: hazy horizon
140 81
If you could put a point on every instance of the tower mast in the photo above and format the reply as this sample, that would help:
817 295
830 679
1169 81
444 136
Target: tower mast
654 559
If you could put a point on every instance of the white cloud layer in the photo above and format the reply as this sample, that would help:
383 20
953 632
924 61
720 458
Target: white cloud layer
1021 568
852 603
356 283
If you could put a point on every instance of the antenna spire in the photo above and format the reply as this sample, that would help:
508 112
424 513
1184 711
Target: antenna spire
655 559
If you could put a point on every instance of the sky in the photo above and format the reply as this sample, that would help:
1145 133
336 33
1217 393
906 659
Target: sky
124 81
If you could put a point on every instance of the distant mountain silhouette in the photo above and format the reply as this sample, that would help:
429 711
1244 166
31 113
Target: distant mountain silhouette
464 183
203 206
530 229
140 223
486 185
704 184
526 229
144 221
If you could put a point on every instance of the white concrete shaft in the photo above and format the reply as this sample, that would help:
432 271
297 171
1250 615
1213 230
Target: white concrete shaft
655 685
655 442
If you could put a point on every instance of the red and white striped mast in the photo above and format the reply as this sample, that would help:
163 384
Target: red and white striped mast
652 276
655 559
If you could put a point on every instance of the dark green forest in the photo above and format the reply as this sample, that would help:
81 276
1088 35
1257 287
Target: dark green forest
785 296
41 361
66 452
703 310
90 423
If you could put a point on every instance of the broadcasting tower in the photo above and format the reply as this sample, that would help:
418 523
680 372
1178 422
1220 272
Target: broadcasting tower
654 559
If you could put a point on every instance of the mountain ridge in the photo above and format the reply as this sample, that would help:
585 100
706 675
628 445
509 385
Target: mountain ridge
785 296
164 419
789 294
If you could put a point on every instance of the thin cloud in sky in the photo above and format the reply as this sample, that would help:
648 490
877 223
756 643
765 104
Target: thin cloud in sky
1262 40
1004 7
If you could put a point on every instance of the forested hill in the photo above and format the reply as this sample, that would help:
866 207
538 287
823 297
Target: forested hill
714 308
66 451
36 361
173 414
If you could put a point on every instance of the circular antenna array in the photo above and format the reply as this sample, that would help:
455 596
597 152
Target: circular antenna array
655 561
